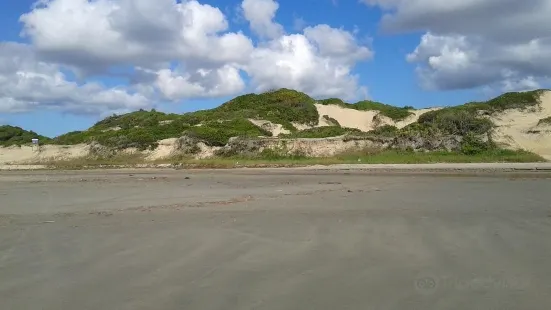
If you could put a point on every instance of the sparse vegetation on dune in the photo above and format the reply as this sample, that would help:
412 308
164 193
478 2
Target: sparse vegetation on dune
465 129
392 112
11 135
321 132
218 133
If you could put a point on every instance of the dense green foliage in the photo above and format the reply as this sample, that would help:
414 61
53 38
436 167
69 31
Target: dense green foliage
385 131
143 129
218 133
125 134
10 135
392 112
139 118
456 122
322 132
512 100
282 106
545 121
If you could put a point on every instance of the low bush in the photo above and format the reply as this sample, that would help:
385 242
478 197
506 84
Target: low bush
385 130
11 135
456 122
219 133
322 132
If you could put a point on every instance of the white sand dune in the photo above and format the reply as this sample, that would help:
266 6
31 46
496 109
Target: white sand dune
519 129
28 154
362 120
516 129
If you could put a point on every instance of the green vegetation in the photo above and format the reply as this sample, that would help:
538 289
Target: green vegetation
322 132
282 106
545 121
124 134
142 129
10 135
392 112
331 120
385 131
456 122
512 100
219 133
368 156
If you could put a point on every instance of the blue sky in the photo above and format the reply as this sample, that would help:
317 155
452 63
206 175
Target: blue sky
66 83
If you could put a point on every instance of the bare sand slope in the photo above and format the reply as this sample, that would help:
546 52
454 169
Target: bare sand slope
519 129
364 120
28 154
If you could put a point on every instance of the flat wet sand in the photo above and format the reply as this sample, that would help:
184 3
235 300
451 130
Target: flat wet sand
273 239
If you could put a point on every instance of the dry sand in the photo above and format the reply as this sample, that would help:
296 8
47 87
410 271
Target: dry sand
266 241
362 120
31 154
165 149
516 129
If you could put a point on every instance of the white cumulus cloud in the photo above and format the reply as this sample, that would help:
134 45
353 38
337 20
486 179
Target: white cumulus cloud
172 50
27 83
471 43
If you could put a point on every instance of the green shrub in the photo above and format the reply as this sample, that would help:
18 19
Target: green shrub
321 132
456 122
219 133
511 100
473 144
385 130
11 135
283 106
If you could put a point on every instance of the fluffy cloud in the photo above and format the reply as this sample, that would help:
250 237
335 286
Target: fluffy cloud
27 83
261 14
199 84
318 62
148 33
175 50
471 43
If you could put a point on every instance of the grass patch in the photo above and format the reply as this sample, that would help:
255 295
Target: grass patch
271 159
95 162
405 157
275 159
11 135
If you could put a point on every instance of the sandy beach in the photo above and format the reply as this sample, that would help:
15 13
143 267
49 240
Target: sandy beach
274 239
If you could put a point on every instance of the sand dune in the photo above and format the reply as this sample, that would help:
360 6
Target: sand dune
516 129
28 154
519 129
